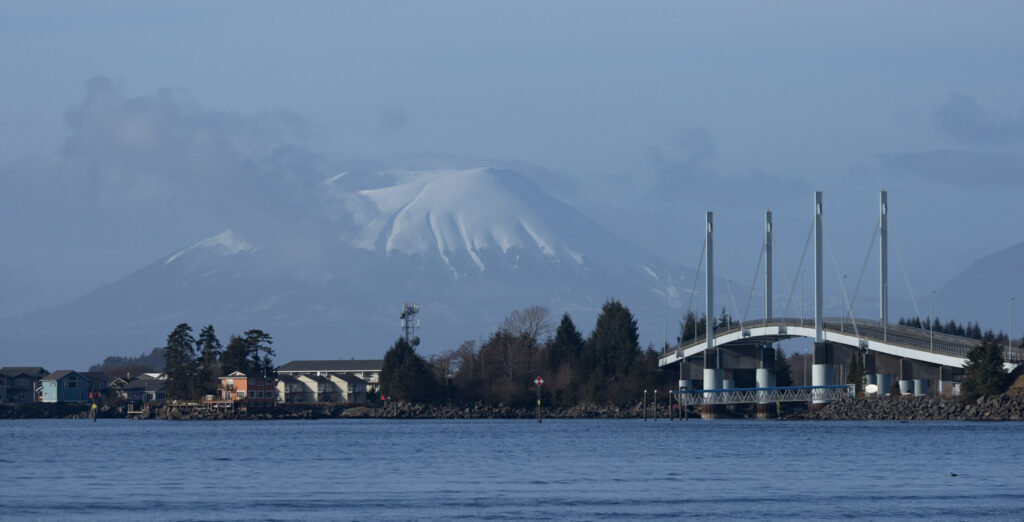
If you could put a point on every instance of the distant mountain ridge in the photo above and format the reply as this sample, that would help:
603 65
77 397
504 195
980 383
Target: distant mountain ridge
468 245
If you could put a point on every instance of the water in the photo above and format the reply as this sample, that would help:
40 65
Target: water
497 469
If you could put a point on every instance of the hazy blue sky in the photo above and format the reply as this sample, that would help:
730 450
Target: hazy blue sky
644 114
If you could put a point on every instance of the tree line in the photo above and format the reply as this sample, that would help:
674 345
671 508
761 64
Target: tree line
607 366
194 365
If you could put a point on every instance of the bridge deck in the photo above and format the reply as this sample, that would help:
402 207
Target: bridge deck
900 340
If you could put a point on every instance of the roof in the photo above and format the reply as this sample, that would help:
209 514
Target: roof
59 374
149 385
351 379
340 365
314 377
14 371
288 379
95 376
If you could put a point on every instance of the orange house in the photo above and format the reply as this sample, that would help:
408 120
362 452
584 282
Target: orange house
247 392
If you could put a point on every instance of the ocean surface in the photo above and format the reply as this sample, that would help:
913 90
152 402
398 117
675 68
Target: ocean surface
509 469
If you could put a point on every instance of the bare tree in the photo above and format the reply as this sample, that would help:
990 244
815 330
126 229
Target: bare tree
529 323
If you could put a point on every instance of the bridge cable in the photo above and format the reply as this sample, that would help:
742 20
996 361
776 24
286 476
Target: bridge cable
867 257
792 288
842 287
693 290
753 284
906 278
732 301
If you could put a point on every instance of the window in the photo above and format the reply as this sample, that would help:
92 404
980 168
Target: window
252 381
240 394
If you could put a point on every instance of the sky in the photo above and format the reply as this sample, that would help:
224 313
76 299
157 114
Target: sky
643 115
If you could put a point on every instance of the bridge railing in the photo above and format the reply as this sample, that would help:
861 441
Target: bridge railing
907 336
766 395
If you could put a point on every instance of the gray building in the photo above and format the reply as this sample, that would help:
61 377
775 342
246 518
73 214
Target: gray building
22 383
366 369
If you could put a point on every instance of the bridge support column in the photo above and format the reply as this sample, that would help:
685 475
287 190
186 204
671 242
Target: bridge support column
884 382
944 388
920 387
765 377
713 377
906 379
869 369
822 372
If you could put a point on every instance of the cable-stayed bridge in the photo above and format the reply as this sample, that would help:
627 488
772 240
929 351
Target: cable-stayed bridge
921 361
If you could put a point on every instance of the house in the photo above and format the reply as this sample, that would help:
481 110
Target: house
3 388
350 388
321 389
99 383
23 382
367 370
291 389
244 391
140 390
64 386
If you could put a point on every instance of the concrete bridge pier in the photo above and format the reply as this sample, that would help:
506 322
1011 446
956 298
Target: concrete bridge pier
906 377
944 384
870 376
765 377
884 382
713 377
822 371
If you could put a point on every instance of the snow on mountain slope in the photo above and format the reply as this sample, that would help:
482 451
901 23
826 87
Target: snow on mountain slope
459 214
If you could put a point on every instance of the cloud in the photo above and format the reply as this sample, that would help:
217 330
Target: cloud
958 167
138 176
392 121
964 119
684 170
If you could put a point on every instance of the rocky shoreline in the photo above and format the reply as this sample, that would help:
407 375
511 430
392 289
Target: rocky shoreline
994 408
1001 407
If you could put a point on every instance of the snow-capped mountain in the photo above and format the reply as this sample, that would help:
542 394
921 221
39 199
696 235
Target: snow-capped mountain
329 279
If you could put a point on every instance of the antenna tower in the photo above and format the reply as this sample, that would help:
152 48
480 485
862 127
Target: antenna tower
410 324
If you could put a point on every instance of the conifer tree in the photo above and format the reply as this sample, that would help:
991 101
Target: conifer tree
406 376
856 374
567 345
236 356
180 363
261 351
209 359
783 372
985 374
610 356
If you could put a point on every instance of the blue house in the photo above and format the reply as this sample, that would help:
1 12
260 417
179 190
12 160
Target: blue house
65 386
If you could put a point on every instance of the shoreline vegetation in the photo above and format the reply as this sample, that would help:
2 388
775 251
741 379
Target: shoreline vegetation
1002 407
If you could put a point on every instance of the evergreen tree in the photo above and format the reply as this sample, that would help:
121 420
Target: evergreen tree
260 350
894 390
783 373
210 351
406 376
856 373
236 356
985 374
567 345
610 356
691 327
180 363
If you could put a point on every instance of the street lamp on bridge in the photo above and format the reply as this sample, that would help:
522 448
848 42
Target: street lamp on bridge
931 326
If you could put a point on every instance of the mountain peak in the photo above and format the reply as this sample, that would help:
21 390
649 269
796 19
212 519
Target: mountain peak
227 243
460 215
